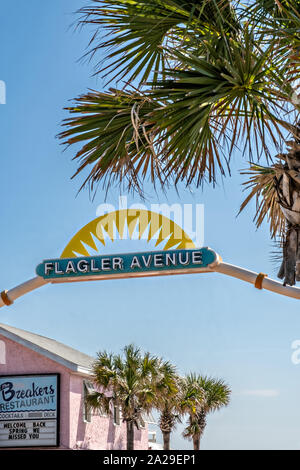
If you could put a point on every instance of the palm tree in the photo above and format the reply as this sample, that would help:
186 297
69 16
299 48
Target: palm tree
169 416
173 398
126 381
167 389
199 80
216 394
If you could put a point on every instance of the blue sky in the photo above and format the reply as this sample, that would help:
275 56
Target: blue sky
203 323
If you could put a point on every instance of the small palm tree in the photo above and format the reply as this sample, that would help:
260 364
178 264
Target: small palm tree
199 80
169 417
127 381
173 399
215 394
174 402
167 388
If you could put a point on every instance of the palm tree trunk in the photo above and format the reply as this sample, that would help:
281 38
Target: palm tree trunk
196 442
166 439
288 191
130 435
289 270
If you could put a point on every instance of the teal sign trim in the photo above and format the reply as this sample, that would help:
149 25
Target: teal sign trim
129 263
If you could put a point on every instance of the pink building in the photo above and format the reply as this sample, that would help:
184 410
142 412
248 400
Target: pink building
42 388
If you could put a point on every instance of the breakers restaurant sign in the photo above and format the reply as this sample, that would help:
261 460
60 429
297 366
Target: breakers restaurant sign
29 407
127 265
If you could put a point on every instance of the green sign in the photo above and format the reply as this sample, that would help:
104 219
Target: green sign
127 265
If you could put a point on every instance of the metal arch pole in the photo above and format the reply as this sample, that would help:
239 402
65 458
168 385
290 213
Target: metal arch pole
251 277
8 297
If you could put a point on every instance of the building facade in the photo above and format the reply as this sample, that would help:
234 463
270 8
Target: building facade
43 384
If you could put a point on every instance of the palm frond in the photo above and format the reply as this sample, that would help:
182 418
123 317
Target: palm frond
130 380
221 77
216 392
100 401
262 187
120 138
138 30
280 19
213 106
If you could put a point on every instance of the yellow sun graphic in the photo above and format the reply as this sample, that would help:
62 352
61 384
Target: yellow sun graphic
147 224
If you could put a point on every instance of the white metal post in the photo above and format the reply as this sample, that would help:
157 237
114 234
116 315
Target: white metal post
8 297
251 277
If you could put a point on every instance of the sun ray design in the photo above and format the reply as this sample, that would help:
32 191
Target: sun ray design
134 223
